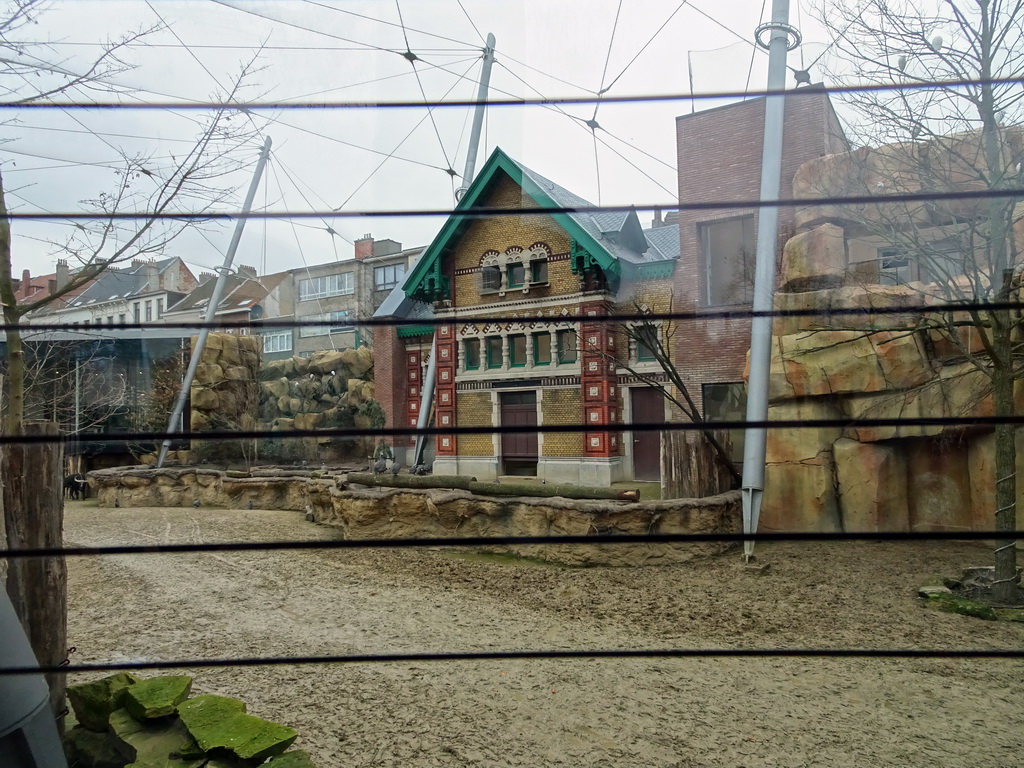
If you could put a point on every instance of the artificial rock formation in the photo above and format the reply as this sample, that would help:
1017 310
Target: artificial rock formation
868 364
412 513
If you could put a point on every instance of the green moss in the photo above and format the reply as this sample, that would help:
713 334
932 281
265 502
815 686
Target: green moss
961 605
157 696
85 747
94 701
220 722
154 743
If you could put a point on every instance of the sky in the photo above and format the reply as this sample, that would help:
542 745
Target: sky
59 160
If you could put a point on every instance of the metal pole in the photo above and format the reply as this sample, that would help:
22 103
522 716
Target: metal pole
478 119
782 38
427 391
211 310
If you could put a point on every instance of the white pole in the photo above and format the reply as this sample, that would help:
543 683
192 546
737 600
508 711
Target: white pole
782 38
211 310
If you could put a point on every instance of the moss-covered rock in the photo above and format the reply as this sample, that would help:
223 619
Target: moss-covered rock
89 748
93 702
157 696
961 605
297 758
154 743
221 722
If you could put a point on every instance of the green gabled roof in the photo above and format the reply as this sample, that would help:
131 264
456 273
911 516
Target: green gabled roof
499 165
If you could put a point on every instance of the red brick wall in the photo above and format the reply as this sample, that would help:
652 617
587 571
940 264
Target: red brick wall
719 155
390 376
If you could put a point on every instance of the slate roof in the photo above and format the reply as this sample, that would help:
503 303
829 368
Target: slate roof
119 284
240 293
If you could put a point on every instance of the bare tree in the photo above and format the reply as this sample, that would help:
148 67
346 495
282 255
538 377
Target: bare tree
946 121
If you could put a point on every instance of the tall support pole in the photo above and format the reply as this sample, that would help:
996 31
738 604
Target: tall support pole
427 391
211 311
781 38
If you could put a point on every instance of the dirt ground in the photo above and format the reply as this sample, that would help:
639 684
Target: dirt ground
615 712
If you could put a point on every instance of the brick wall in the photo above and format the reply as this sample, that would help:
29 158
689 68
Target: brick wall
563 406
719 156
499 233
475 410
391 386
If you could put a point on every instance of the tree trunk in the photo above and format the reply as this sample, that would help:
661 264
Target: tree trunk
1005 586
565 491
33 499
387 480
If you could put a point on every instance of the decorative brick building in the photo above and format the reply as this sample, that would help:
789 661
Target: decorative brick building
525 346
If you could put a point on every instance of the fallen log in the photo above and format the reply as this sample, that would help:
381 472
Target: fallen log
387 480
566 491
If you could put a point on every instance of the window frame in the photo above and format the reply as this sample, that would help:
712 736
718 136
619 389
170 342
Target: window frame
467 344
513 357
397 272
488 342
274 336
536 348
563 334
326 286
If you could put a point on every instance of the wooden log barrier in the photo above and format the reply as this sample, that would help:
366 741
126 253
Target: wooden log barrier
387 480
565 491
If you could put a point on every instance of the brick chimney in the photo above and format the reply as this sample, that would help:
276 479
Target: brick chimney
364 247
63 273
26 280
152 277
244 270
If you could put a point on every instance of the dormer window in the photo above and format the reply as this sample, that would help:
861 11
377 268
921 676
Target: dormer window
515 269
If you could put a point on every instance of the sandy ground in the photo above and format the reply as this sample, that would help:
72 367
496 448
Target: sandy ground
634 712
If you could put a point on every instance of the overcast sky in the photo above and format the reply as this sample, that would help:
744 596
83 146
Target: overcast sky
367 159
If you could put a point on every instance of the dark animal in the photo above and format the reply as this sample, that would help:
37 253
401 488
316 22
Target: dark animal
380 466
195 503
75 487
420 469
395 468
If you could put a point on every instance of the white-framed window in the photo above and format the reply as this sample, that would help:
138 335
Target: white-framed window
277 341
340 322
340 284
386 278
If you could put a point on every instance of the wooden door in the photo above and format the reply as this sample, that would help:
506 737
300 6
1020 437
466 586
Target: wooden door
519 449
648 407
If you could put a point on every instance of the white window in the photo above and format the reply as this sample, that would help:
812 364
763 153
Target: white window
329 285
339 323
277 341
386 278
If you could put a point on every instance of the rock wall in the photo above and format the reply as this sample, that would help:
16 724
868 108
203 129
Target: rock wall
876 363
224 393
324 389
402 513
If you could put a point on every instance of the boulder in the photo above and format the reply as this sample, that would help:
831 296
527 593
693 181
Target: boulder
276 388
198 421
238 373
326 361
89 748
797 444
157 696
938 486
902 359
359 361
205 399
872 481
814 259
162 743
93 702
307 420
830 363
927 401
284 405
221 722
301 366
801 496
209 373
281 425
274 369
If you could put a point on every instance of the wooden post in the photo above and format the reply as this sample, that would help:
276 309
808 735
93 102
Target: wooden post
33 498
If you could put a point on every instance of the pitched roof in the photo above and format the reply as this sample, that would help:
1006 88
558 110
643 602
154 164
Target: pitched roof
241 292
615 239
121 283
